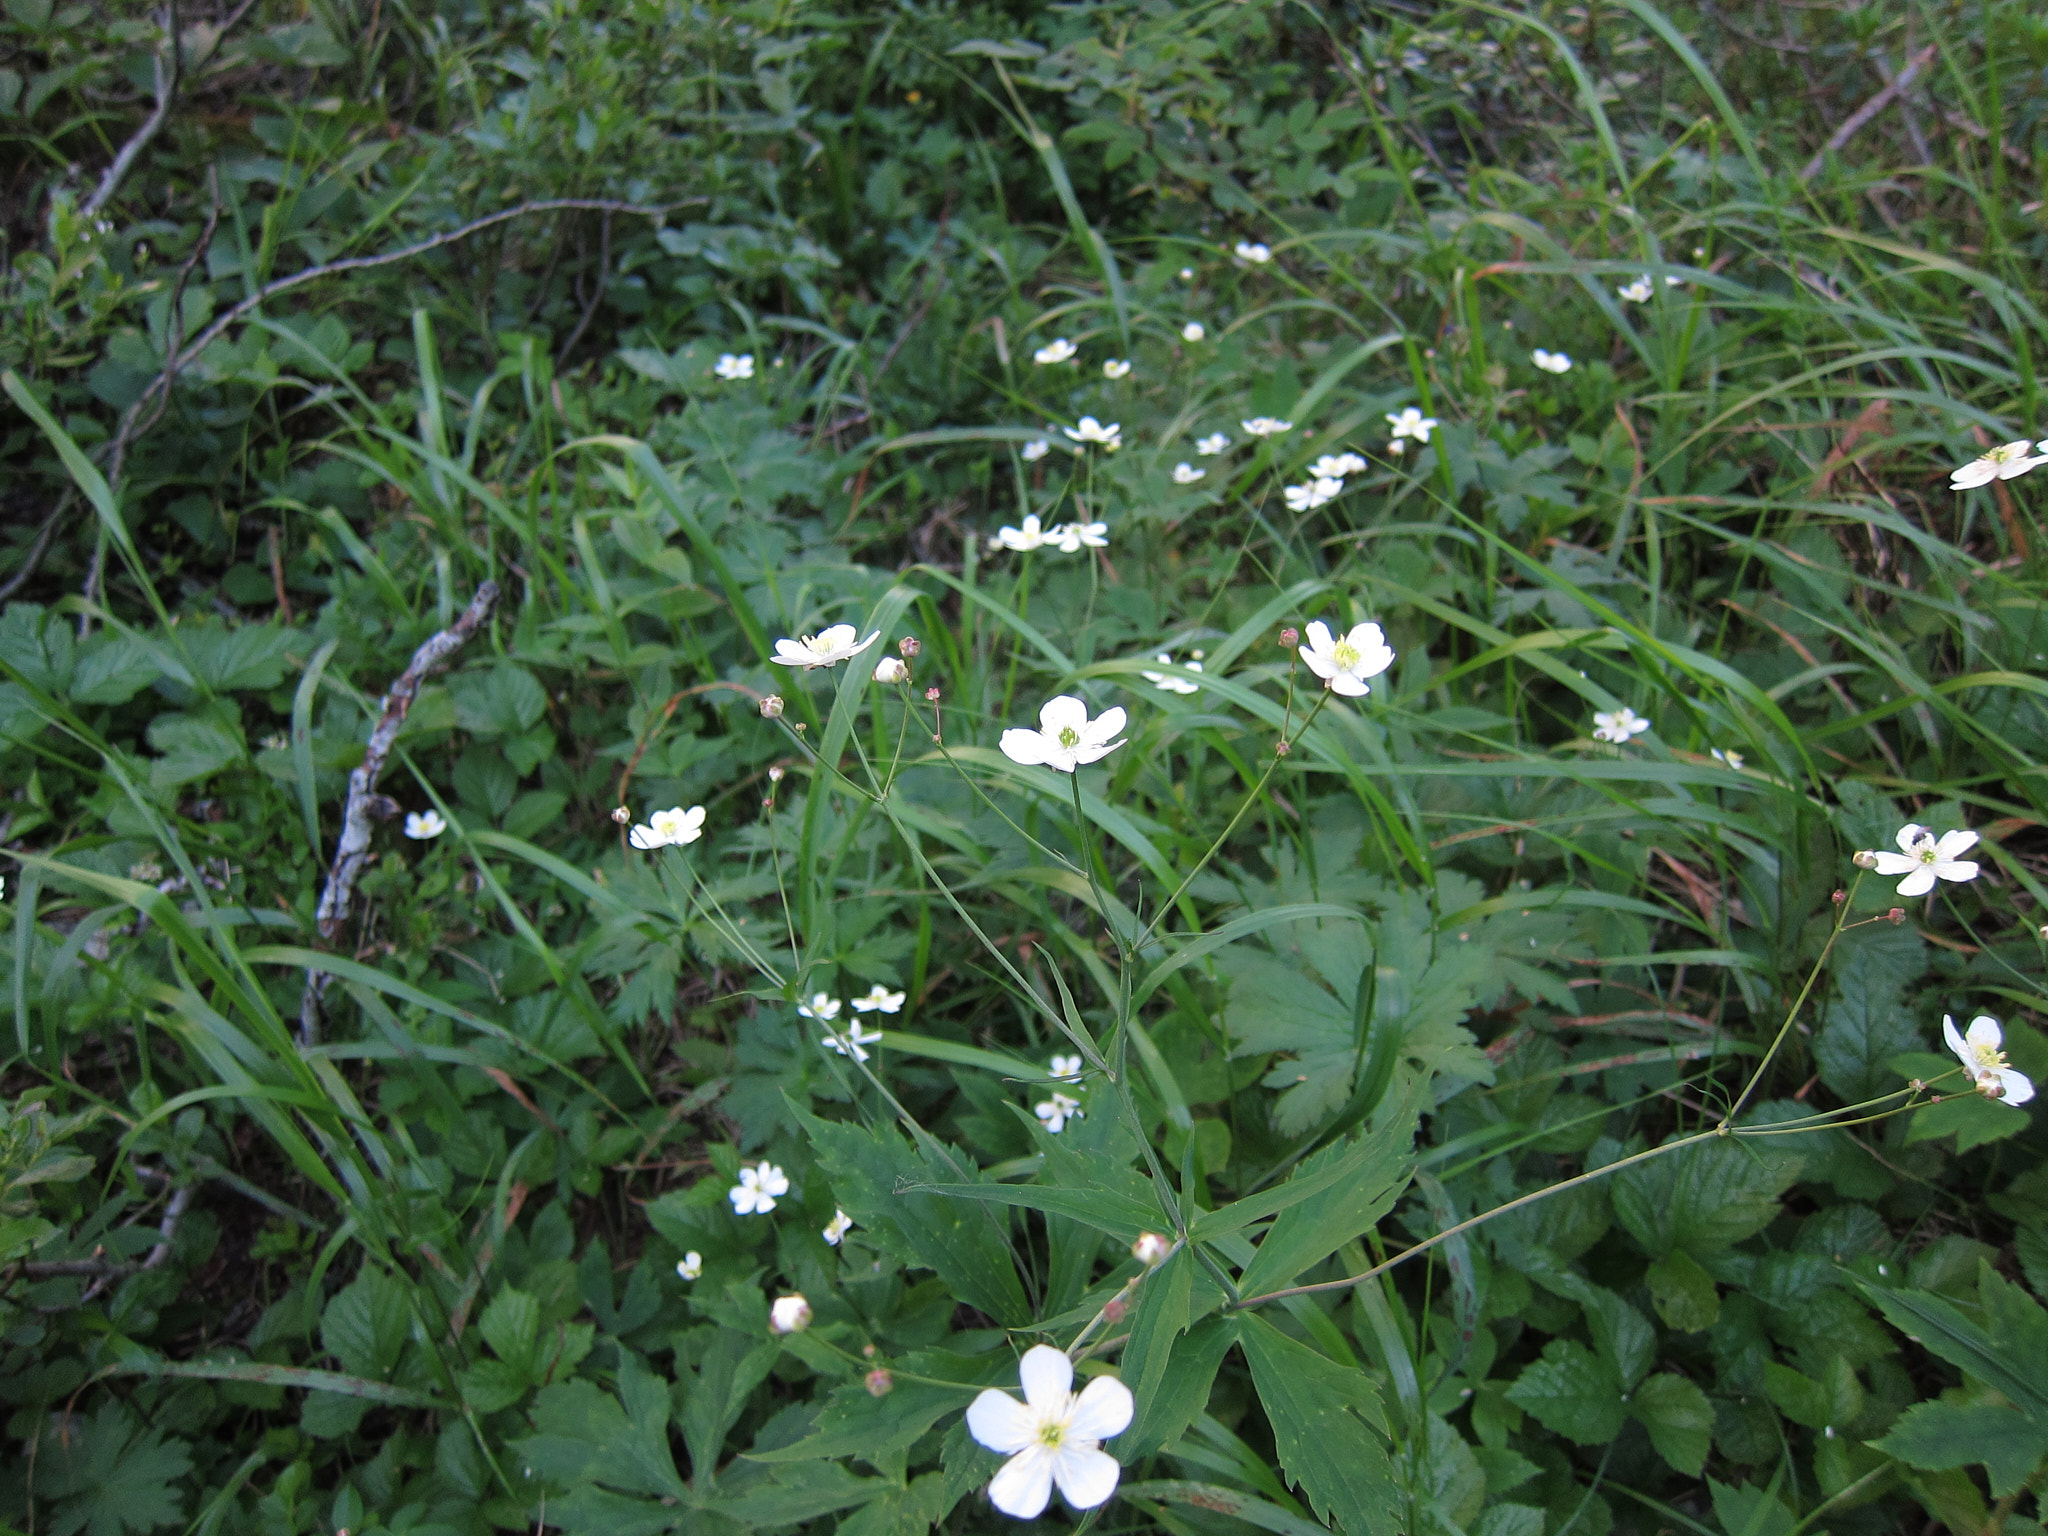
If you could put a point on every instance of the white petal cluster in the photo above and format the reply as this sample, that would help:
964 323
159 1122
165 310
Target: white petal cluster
1345 664
1116 368
1639 291
1410 422
1089 430
1036 449
758 1189
1192 331
879 1000
1066 737
1984 1059
731 367
1067 538
1266 426
1057 1111
1167 683
1053 1438
422 826
690 1265
789 1314
837 1228
1186 474
1256 252
1924 858
1058 350
1335 466
1551 362
890 669
827 648
2008 461
1311 494
1066 1069
851 1042
672 828
1618 725
1214 443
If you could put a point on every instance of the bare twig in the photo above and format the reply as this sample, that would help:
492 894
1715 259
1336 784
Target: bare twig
604 261
167 78
1855 122
34 557
352 850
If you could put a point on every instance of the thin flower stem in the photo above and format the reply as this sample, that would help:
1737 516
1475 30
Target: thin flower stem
1756 1078
1084 846
1074 1350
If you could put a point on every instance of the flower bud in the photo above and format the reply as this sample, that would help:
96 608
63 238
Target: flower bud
775 774
1113 1310
1281 748
790 1314
1839 897
909 645
931 695
880 1383
890 670
771 707
868 1351
621 815
1289 636
1151 1249
1865 860
1897 915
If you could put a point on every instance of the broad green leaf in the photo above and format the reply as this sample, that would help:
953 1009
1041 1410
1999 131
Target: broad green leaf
585 1435
793 1494
1158 1320
1183 1393
365 1323
1683 1293
1747 1511
1867 1022
907 1511
1936 1436
510 1325
1572 1392
108 1474
1679 1418
1320 1412
1336 1194
1705 1198
854 1423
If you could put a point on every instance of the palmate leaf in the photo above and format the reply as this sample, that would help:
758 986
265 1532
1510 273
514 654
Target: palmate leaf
1355 1186
1320 1412
1938 1436
108 1474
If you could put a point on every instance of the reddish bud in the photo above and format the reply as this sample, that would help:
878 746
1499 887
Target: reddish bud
880 1383
909 647
931 695
1290 635
1114 1309
622 815
1897 915
1839 897
1281 747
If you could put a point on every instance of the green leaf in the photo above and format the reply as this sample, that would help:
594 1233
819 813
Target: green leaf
718 1391
1319 1411
195 745
1183 1393
910 1511
1237 1504
1867 1022
585 1435
1746 1511
853 1423
1936 1436
794 1494
1330 1198
1704 1198
1572 1392
501 701
1683 1293
1679 1418
364 1326
1969 1117
510 1325
108 1474
1941 1328
1161 1318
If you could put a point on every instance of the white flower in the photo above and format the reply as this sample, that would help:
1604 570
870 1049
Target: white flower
827 648
1151 1249
1923 858
1397 447
1411 423
1023 540
1066 738
1187 274
1551 362
672 828
1618 726
789 1314
1036 449
837 1227
1304 498
1053 1436
881 1000
1165 683
690 1265
1192 331
851 1042
422 825
1116 368
1673 282
1057 1111
731 367
1214 443
1730 757
1253 251
1072 537
1985 1062
1066 1069
1187 474
890 669
1055 351
1345 664
1092 431
1266 426
1335 466
2006 462
823 1007
277 741
755 1193
1639 291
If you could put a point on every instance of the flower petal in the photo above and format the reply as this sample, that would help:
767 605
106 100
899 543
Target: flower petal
1048 1377
1027 747
1319 637
1351 687
2018 1086
1001 1423
1886 863
1954 1038
1103 1409
1984 1033
1104 725
1953 844
1063 712
1957 869
1087 1477
1910 835
1024 1487
1918 883
833 636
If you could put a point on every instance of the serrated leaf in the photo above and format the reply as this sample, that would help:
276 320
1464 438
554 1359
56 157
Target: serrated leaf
852 1423
107 1474
1572 1392
1704 1198
585 1435
364 1325
510 1325
1683 1293
1314 1406
1679 1418
1351 1187
1866 1021
1937 1436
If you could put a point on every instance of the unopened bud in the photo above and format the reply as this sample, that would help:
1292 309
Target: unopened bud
1281 747
868 1351
890 670
931 695
1865 860
1151 1249
1991 1085
771 707
1290 635
799 727
2044 930
909 645
775 774
790 1314
1839 897
880 1383
1897 915
622 815
1113 1310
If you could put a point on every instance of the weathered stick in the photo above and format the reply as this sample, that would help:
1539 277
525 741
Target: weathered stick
1854 123
352 852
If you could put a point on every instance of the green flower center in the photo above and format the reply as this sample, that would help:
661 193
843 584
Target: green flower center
1050 1435
1989 1057
1069 737
1346 654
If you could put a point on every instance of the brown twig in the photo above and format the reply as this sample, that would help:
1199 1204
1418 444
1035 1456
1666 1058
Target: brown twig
352 850
1856 121
167 78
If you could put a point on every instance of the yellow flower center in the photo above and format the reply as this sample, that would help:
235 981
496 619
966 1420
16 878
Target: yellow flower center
1069 737
1051 1434
2005 453
1346 654
1989 1057
1925 854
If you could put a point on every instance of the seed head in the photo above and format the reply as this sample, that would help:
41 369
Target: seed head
1897 915
1865 860
772 707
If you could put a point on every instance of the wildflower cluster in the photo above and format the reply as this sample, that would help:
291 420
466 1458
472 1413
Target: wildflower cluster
1067 538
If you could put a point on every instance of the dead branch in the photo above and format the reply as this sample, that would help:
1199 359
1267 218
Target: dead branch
1855 122
167 77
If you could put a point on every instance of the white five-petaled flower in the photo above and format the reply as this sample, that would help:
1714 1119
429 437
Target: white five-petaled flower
672 828
1023 540
1618 725
851 1042
1169 684
1192 331
1344 665
1639 291
890 669
690 1265
730 366
1053 1437
823 1007
789 1314
1923 858
1304 498
1152 1249
1266 426
1066 1069
1728 756
1410 422
1058 350
1255 251
1551 362
423 825
1116 368
1335 466
756 1192
880 1000
1066 737
837 1227
1089 430
1057 1111
1072 538
1036 449
1985 1062
1214 443
1187 474
2006 462
827 648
